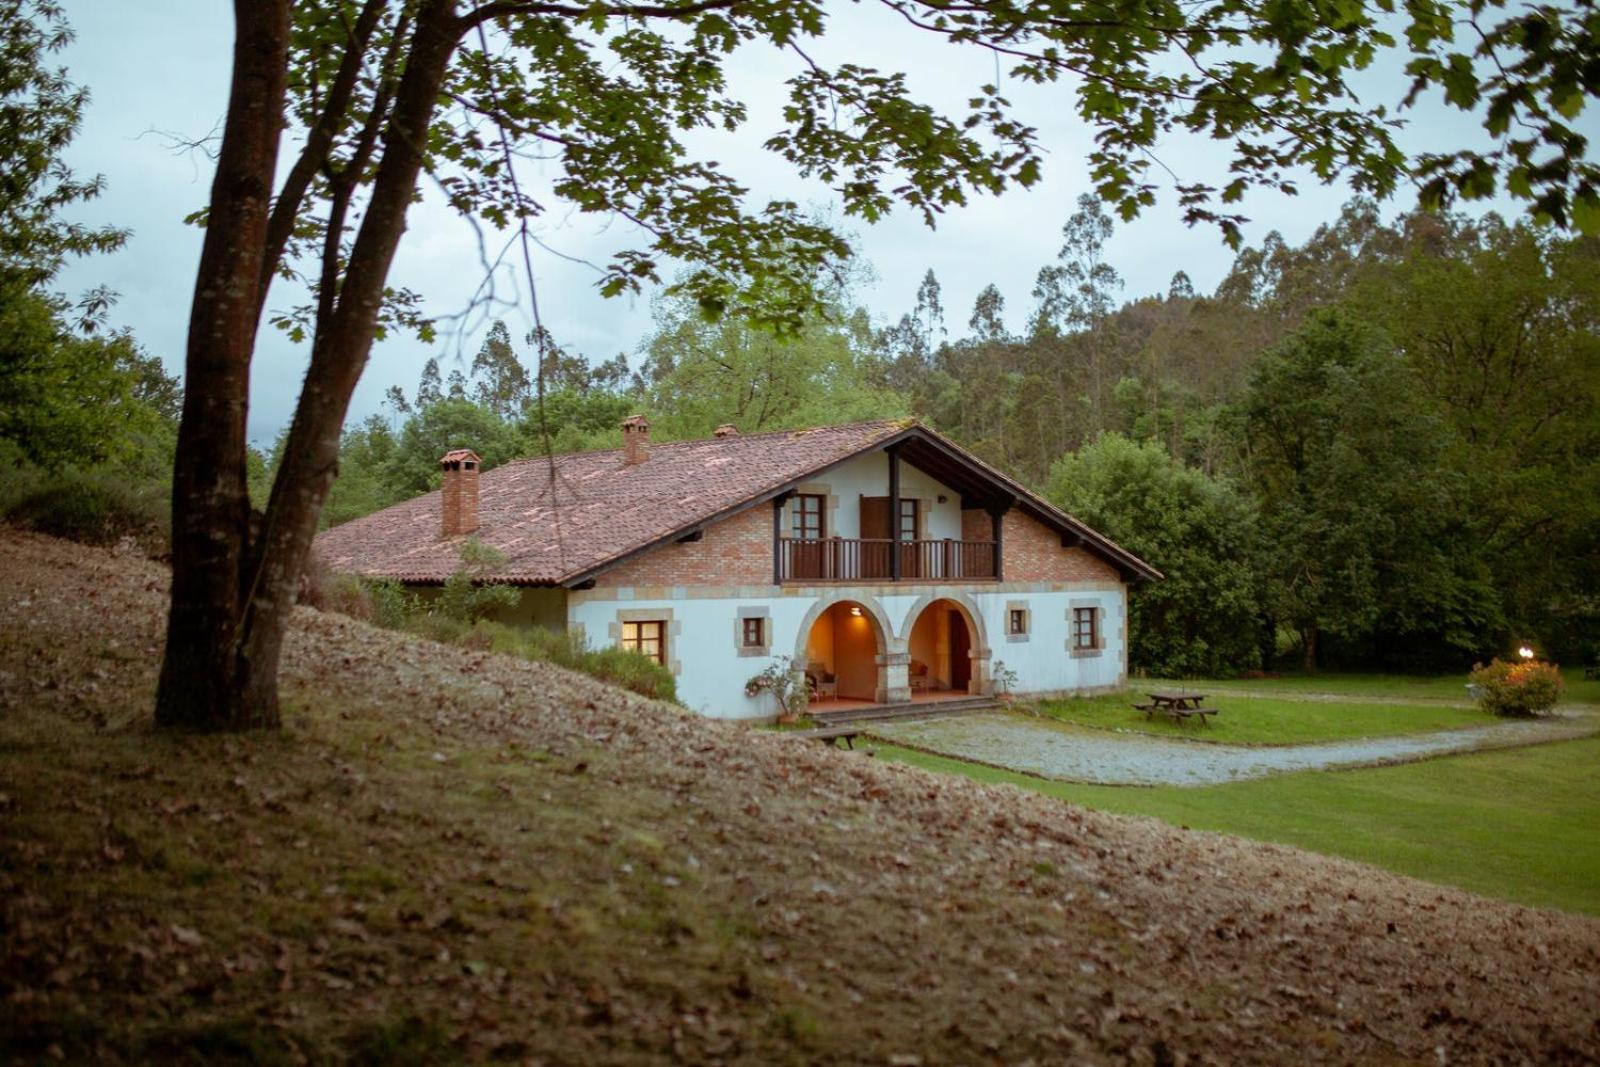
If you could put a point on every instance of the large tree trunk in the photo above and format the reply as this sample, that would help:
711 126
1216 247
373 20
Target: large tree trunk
202 674
229 615
344 341
1308 646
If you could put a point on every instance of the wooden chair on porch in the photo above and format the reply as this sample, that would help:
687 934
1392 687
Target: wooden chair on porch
823 685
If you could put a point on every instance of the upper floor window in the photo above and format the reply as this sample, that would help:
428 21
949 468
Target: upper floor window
908 519
1085 628
646 638
808 511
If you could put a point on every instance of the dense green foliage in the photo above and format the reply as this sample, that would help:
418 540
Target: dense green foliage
88 420
1204 618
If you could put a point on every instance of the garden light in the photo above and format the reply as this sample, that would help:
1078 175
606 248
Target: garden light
1525 652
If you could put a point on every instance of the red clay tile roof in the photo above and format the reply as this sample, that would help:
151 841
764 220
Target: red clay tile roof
595 510
557 527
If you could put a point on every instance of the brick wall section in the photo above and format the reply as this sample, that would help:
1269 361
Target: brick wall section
976 525
1033 553
736 551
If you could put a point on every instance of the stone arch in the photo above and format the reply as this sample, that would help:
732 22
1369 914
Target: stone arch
887 688
979 653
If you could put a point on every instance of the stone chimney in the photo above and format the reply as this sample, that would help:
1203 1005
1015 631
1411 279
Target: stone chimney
460 511
635 440
727 429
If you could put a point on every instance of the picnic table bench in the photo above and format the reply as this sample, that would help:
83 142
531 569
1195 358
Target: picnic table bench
1179 707
1592 672
829 735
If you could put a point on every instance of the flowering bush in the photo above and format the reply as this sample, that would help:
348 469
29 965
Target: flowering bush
787 688
1517 688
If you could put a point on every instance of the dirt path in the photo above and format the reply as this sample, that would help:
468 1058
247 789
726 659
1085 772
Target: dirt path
449 855
1059 750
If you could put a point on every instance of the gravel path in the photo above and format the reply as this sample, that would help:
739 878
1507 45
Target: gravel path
1058 750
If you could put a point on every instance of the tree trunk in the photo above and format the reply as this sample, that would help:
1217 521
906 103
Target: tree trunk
1308 644
311 452
203 678
231 605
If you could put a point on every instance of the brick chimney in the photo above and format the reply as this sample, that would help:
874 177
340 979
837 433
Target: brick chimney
460 511
727 429
635 440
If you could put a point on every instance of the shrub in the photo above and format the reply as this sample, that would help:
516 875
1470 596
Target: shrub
392 605
94 507
466 596
1517 688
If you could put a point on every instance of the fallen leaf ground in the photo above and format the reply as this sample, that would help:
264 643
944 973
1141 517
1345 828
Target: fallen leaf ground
453 855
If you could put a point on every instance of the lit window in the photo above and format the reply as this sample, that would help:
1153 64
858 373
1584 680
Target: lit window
753 635
1019 621
1085 628
646 638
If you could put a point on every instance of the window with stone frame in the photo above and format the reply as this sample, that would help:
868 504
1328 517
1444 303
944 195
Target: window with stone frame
1017 621
754 632
648 638
1085 628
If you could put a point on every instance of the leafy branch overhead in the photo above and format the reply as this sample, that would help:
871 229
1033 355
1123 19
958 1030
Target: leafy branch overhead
608 96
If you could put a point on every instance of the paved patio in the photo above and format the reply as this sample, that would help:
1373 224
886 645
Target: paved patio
1057 750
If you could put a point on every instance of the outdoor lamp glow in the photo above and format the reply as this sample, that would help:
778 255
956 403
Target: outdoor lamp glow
1525 652
855 609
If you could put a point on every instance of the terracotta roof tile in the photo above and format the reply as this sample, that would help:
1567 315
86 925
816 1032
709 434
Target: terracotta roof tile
560 518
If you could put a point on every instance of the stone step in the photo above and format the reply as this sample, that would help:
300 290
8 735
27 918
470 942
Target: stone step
908 710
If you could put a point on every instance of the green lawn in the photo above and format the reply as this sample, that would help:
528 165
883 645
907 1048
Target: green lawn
1392 686
1517 823
1259 721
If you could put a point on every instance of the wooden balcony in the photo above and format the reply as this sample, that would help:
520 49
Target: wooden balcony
841 559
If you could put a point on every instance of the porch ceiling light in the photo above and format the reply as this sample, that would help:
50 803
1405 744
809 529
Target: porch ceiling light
855 609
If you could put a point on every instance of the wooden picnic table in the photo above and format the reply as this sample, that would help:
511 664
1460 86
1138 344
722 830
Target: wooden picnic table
1176 700
829 735
1180 707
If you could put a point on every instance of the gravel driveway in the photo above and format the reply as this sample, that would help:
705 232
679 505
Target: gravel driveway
1058 750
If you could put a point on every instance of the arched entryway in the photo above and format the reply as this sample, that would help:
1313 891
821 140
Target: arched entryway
843 648
946 648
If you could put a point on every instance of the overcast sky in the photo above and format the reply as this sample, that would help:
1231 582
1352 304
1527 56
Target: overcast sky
162 68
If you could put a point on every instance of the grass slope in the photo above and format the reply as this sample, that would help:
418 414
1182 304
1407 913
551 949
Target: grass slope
453 855
1515 823
1244 720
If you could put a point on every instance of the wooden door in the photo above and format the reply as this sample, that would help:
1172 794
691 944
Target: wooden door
960 653
874 531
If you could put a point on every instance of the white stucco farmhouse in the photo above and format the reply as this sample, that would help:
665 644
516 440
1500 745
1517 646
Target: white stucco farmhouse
886 563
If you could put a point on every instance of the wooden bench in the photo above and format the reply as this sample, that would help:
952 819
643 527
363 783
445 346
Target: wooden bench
1592 672
828 735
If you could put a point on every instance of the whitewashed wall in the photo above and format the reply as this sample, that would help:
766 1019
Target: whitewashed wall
704 633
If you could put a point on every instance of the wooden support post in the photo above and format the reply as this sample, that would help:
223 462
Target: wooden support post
894 515
997 513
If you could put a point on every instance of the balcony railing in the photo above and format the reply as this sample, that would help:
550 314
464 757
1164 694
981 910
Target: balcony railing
841 559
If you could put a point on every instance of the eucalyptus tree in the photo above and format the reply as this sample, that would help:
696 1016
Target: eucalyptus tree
365 97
